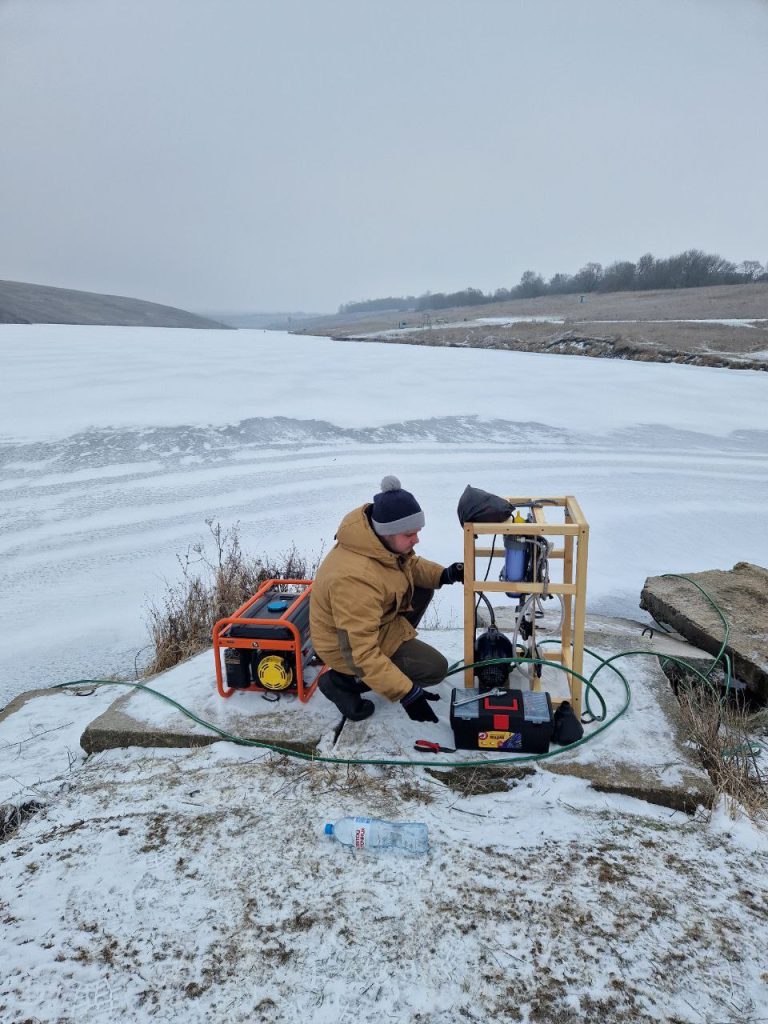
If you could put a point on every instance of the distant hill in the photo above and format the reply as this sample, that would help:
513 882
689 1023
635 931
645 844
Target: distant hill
22 303
724 325
265 321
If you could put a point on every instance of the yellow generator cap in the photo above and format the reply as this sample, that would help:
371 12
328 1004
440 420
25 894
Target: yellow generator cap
273 673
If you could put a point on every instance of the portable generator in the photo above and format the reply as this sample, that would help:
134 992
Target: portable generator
266 644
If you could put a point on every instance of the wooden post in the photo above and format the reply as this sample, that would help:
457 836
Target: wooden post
579 617
469 603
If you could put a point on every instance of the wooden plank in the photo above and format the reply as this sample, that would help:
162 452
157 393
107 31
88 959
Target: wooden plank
567 630
531 529
499 552
554 502
574 508
522 588
565 655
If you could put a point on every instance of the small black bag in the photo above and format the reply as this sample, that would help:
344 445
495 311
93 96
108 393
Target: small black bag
568 728
478 506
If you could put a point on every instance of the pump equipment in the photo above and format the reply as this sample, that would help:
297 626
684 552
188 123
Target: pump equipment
487 713
489 646
525 561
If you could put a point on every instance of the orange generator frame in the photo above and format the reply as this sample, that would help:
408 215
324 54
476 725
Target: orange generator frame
272 626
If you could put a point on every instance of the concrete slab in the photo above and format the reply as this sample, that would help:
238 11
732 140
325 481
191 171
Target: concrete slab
642 754
741 593
138 718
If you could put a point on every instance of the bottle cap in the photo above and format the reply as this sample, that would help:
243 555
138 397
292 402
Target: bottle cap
329 828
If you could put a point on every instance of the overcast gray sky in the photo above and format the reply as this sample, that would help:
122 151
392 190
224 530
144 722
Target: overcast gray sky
296 154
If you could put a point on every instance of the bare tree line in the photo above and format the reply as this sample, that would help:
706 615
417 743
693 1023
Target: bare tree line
690 269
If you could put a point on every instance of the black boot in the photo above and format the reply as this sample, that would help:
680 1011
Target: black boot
344 691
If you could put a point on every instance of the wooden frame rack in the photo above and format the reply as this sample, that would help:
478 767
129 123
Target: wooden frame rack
573 536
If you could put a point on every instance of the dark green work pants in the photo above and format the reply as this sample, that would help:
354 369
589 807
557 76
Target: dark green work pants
421 663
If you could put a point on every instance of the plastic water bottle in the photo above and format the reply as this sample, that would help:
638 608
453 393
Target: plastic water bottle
373 833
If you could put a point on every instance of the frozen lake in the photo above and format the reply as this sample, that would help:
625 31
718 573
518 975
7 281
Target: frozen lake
116 444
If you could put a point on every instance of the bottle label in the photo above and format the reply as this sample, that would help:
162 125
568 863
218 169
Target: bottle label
360 832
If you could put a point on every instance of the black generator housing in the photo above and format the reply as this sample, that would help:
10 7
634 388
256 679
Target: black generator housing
241 663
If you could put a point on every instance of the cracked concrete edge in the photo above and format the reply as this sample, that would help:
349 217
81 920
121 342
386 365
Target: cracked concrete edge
114 728
738 590
21 699
694 790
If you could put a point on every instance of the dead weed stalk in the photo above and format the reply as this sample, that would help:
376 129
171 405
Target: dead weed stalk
724 734
211 587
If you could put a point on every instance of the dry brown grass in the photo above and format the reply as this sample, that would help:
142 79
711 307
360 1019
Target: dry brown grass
211 587
740 301
590 321
724 735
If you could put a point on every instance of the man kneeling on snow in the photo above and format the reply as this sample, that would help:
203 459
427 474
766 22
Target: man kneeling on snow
369 594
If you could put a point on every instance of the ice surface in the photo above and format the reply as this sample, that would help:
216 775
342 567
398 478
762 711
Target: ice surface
117 444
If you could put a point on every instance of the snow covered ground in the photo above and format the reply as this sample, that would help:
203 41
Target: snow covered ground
158 885
701 320
508 321
475 321
197 885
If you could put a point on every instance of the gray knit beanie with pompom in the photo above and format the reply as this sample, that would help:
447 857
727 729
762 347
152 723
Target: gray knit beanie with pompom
395 510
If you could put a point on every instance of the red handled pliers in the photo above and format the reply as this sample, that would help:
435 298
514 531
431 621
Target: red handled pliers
428 747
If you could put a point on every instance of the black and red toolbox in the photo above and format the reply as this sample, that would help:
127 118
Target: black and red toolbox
510 720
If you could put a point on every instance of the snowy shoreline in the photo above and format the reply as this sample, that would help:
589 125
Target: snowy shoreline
579 338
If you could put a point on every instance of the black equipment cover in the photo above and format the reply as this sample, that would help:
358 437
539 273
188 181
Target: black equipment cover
568 729
478 506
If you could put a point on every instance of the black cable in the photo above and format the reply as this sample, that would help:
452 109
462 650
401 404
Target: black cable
662 627
481 596
136 659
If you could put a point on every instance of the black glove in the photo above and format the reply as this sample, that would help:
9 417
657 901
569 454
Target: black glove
416 704
453 573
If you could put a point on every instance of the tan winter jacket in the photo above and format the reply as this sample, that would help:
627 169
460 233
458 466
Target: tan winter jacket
361 593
